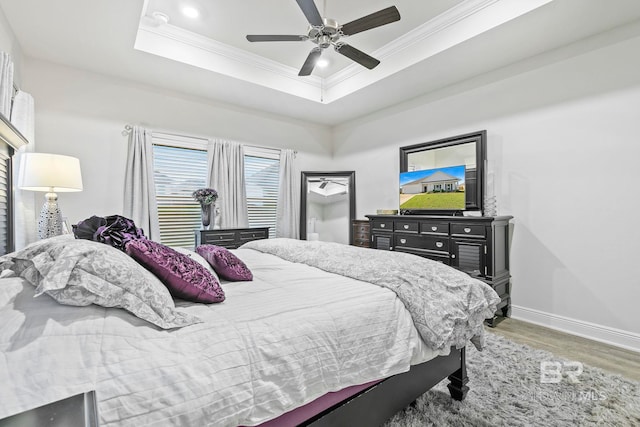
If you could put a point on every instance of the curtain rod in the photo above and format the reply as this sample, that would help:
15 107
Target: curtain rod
128 128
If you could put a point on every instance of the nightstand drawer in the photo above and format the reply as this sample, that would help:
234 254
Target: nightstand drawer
360 236
361 243
217 237
247 236
468 230
361 228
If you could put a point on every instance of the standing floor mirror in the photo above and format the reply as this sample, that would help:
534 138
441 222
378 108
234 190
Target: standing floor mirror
328 206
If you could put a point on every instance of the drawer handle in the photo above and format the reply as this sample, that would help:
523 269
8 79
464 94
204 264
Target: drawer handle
406 226
403 241
439 244
434 228
467 230
253 235
382 225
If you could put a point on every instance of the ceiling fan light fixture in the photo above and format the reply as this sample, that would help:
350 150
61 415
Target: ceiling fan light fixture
322 63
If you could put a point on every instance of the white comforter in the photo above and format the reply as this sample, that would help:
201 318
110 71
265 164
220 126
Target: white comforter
290 336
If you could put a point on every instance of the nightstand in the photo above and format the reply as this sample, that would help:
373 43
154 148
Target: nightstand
80 410
230 238
361 236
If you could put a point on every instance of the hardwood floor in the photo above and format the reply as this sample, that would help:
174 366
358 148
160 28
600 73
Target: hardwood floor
593 353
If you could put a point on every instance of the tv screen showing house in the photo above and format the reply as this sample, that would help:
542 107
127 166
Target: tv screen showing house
441 188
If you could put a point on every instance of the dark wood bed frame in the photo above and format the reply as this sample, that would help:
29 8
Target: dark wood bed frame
380 402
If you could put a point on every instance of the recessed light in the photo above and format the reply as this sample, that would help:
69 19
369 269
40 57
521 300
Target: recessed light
190 12
322 63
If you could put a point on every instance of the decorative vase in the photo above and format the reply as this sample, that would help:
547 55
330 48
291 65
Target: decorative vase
205 211
490 206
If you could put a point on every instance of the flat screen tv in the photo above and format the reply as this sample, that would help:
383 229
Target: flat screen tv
441 189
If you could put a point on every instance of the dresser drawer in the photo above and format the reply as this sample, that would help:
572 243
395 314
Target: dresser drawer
218 238
247 236
406 226
231 238
422 243
434 228
382 224
468 230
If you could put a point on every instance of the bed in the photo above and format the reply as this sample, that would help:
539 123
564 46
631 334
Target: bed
306 341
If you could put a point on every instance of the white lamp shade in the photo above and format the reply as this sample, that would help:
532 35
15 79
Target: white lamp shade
49 172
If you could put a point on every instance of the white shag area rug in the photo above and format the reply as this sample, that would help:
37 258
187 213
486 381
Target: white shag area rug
515 385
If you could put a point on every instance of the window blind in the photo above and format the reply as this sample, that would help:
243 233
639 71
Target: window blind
180 167
177 173
6 241
261 171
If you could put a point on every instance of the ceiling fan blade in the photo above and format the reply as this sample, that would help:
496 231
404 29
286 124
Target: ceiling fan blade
310 63
311 12
276 38
376 19
357 55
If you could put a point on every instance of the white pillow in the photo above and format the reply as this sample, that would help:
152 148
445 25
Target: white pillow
82 272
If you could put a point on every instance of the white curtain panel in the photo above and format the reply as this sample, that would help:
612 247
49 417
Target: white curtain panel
226 176
6 84
288 211
26 204
139 187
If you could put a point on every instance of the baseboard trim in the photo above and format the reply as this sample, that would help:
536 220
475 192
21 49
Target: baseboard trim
617 337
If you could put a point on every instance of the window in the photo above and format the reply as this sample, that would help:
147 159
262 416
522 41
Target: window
261 176
180 167
178 171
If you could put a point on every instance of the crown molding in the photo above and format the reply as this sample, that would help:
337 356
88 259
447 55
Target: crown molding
462 22
152 38
445 20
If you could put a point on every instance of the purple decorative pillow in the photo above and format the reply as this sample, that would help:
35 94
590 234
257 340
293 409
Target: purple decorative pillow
114 230
227 265
184 277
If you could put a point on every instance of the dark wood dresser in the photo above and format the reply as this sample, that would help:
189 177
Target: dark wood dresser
479 246
230 238
361 235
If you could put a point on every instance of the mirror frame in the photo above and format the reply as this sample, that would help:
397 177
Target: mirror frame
303 198
475 201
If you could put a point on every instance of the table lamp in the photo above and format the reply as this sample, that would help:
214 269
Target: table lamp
51 173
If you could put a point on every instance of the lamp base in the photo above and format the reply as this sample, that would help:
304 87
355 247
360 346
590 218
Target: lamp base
50 221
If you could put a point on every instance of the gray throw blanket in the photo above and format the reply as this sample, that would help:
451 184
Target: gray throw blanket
448 307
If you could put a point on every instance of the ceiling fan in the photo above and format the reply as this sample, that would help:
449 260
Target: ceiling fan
325 181
325 32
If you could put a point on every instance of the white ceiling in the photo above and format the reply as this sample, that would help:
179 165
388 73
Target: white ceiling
436 43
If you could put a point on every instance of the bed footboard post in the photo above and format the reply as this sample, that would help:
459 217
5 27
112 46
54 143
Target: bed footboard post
457 387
